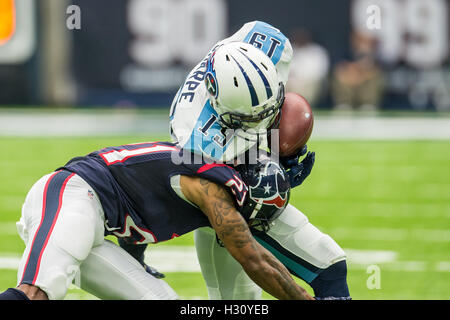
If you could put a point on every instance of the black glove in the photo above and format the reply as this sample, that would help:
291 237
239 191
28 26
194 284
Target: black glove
296 171
290 161
137 252
154 272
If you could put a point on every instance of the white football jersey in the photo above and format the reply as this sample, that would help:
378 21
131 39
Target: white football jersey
193 120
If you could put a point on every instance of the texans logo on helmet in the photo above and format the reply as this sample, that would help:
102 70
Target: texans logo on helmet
268 189
278 201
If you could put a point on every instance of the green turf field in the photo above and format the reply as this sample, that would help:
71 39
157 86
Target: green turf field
386 203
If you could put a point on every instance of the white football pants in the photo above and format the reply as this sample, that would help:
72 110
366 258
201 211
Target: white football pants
62 225
299 245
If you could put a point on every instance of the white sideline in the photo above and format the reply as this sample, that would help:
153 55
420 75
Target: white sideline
381 128
47 123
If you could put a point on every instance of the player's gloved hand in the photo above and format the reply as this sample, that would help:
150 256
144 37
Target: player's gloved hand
137 252
296 171
153 271
290 161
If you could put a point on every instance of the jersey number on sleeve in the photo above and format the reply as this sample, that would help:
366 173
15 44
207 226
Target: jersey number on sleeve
116 156
238 188
258 40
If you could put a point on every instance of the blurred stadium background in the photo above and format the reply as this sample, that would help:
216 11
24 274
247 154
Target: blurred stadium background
76 76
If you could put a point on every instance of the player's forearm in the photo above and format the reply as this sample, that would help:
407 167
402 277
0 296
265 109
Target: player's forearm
264 269
275 279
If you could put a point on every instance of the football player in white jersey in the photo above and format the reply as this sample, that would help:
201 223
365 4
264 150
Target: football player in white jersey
227 101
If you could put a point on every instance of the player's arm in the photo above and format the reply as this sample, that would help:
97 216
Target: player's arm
262 267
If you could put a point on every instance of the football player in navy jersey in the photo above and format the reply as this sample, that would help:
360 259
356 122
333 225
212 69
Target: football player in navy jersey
139 193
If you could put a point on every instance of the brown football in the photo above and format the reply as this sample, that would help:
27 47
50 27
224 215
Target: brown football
296 124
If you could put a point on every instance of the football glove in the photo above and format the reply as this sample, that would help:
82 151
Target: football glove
290 161
296 171
154 272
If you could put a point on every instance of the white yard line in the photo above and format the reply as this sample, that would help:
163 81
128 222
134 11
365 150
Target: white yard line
173 258
184 259
379 234
8 228
390 234
356 256
9 261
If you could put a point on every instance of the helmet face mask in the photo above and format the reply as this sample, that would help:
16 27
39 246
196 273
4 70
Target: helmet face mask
235 120
243 87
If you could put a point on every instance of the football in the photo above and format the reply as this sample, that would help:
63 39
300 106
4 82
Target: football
296 124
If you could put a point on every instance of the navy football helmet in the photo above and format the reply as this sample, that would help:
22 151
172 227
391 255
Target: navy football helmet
269 192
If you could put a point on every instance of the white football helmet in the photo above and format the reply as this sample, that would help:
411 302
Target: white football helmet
243 86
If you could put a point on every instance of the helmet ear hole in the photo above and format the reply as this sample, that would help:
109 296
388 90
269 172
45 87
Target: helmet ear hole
227 57
236 82
264 66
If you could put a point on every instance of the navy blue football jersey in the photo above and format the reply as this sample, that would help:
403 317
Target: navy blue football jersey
133 185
